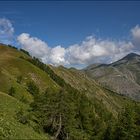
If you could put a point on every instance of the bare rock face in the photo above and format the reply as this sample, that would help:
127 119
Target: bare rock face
122 76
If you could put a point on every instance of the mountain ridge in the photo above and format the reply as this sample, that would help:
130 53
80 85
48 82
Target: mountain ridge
121 76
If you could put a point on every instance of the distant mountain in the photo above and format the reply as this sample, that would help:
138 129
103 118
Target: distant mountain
122 76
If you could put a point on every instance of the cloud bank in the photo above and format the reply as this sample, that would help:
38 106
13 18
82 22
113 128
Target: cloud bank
6 31
89 51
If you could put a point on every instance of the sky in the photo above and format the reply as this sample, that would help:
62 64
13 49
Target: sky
69 33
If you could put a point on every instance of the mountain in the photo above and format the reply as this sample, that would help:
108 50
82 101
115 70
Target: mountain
80 81
39 101
121 76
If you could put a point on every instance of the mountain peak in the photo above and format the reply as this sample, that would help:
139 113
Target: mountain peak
131 55
129 58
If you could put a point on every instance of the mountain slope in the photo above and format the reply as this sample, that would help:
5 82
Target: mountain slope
12 65
15 95
94 91
92 104
46 102
121 76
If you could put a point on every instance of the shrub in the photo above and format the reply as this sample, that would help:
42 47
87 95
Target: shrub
19 79
21 117
25 52
12 91
12 47
32 88
23 99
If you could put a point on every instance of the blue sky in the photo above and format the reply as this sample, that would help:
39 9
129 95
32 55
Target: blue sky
69 23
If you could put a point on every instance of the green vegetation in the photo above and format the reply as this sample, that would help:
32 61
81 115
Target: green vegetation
32 88
48 70
10 127
19 79
15 73
12 47
68 115
127 126
83 122
21 117
12 91
22 50
38 101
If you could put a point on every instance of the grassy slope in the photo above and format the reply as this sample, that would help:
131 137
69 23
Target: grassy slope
12 66
9 126
80 81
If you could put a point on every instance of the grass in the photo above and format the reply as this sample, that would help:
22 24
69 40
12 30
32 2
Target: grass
12 66
10 128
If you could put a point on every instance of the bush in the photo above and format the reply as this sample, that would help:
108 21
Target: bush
12 47
32 88
21 117
19 79
12 91
23 99
22 50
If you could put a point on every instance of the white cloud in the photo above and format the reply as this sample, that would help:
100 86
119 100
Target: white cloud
6 31
57 55
91 50
136 35
40 49
33 45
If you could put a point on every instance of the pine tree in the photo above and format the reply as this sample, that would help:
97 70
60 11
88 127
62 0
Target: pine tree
126 128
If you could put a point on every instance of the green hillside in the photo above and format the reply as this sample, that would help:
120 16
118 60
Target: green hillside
10 128
39 101
12 66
